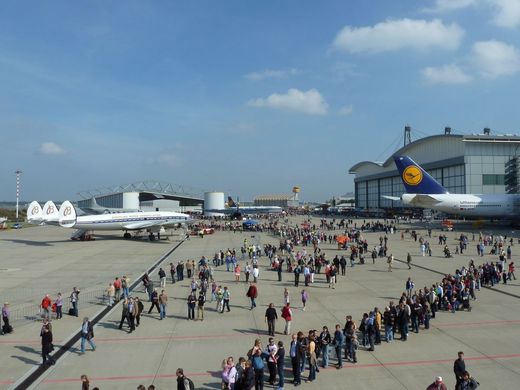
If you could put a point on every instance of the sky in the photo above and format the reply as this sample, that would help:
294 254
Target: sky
248 98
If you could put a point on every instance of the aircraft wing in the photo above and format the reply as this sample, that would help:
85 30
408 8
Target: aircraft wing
424 200
391 197
142 225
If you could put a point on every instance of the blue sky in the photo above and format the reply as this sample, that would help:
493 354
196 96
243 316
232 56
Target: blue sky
248 98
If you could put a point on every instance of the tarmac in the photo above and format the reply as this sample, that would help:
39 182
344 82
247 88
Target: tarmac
40 260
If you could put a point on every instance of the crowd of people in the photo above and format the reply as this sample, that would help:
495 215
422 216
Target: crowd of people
312 349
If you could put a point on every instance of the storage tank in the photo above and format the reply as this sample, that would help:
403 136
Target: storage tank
213 201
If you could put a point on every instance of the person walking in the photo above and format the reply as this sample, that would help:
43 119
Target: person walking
47 346
6 313
132 313
339 341
117 286
163 302
200 306
110 293
183 382
162 277
192 300
155 301
389 261
124 314
459 368
438 384
270 318
87 334
305 297
85 383
325 341
59 306
140 308
74 300
226 295
237 273
287 316
271 351
280 364
124 285
172 272
256 273
294 353
409 260
247 271
252 293
46 306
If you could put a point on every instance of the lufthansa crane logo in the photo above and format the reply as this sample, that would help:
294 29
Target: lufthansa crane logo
412 175
67 211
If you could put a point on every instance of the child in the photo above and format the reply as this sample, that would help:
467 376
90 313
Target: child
305 297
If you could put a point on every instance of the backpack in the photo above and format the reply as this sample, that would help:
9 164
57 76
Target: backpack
188 384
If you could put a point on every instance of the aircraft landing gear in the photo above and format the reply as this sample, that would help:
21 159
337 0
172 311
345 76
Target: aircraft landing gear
127 236
151 237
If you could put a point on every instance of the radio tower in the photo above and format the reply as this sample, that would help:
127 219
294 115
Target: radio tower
18 173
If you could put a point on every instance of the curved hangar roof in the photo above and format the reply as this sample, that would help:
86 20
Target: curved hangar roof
423 150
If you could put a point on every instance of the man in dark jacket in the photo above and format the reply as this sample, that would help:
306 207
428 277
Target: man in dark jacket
47 346
294 352
459 367
270 317
183 383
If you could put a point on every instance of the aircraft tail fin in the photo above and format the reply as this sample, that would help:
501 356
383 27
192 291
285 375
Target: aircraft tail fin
34 213
50 212
67 215
231 202
415 179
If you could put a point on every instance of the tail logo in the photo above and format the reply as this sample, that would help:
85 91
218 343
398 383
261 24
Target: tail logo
67 211
412 175
50 210
35 210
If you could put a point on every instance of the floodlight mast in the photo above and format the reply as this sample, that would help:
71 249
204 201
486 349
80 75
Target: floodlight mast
18 173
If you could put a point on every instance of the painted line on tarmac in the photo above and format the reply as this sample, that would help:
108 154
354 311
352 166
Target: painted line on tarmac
353 366
245 334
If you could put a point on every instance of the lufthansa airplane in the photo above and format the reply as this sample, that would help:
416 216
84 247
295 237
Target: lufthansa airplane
422 190
151 222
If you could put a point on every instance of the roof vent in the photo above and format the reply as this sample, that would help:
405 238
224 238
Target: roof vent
447 130
487 130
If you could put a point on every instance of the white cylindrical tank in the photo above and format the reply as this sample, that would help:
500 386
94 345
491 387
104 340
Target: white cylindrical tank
213 201
131 200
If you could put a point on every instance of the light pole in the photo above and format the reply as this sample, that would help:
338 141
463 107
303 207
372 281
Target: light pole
18 173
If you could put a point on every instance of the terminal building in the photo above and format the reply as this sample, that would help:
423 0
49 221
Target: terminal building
283 201
476 164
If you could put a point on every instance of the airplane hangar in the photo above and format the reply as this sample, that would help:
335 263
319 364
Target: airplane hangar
478 164
145 195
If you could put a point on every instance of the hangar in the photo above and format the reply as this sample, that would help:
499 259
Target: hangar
146 195
478 164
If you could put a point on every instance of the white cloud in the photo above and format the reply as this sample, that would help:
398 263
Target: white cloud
347 110
309 102
494 59
399 34
446 74
271 74
507 12
441 6
51 148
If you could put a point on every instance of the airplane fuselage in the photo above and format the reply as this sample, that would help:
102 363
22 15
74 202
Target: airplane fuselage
129 221
471 205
